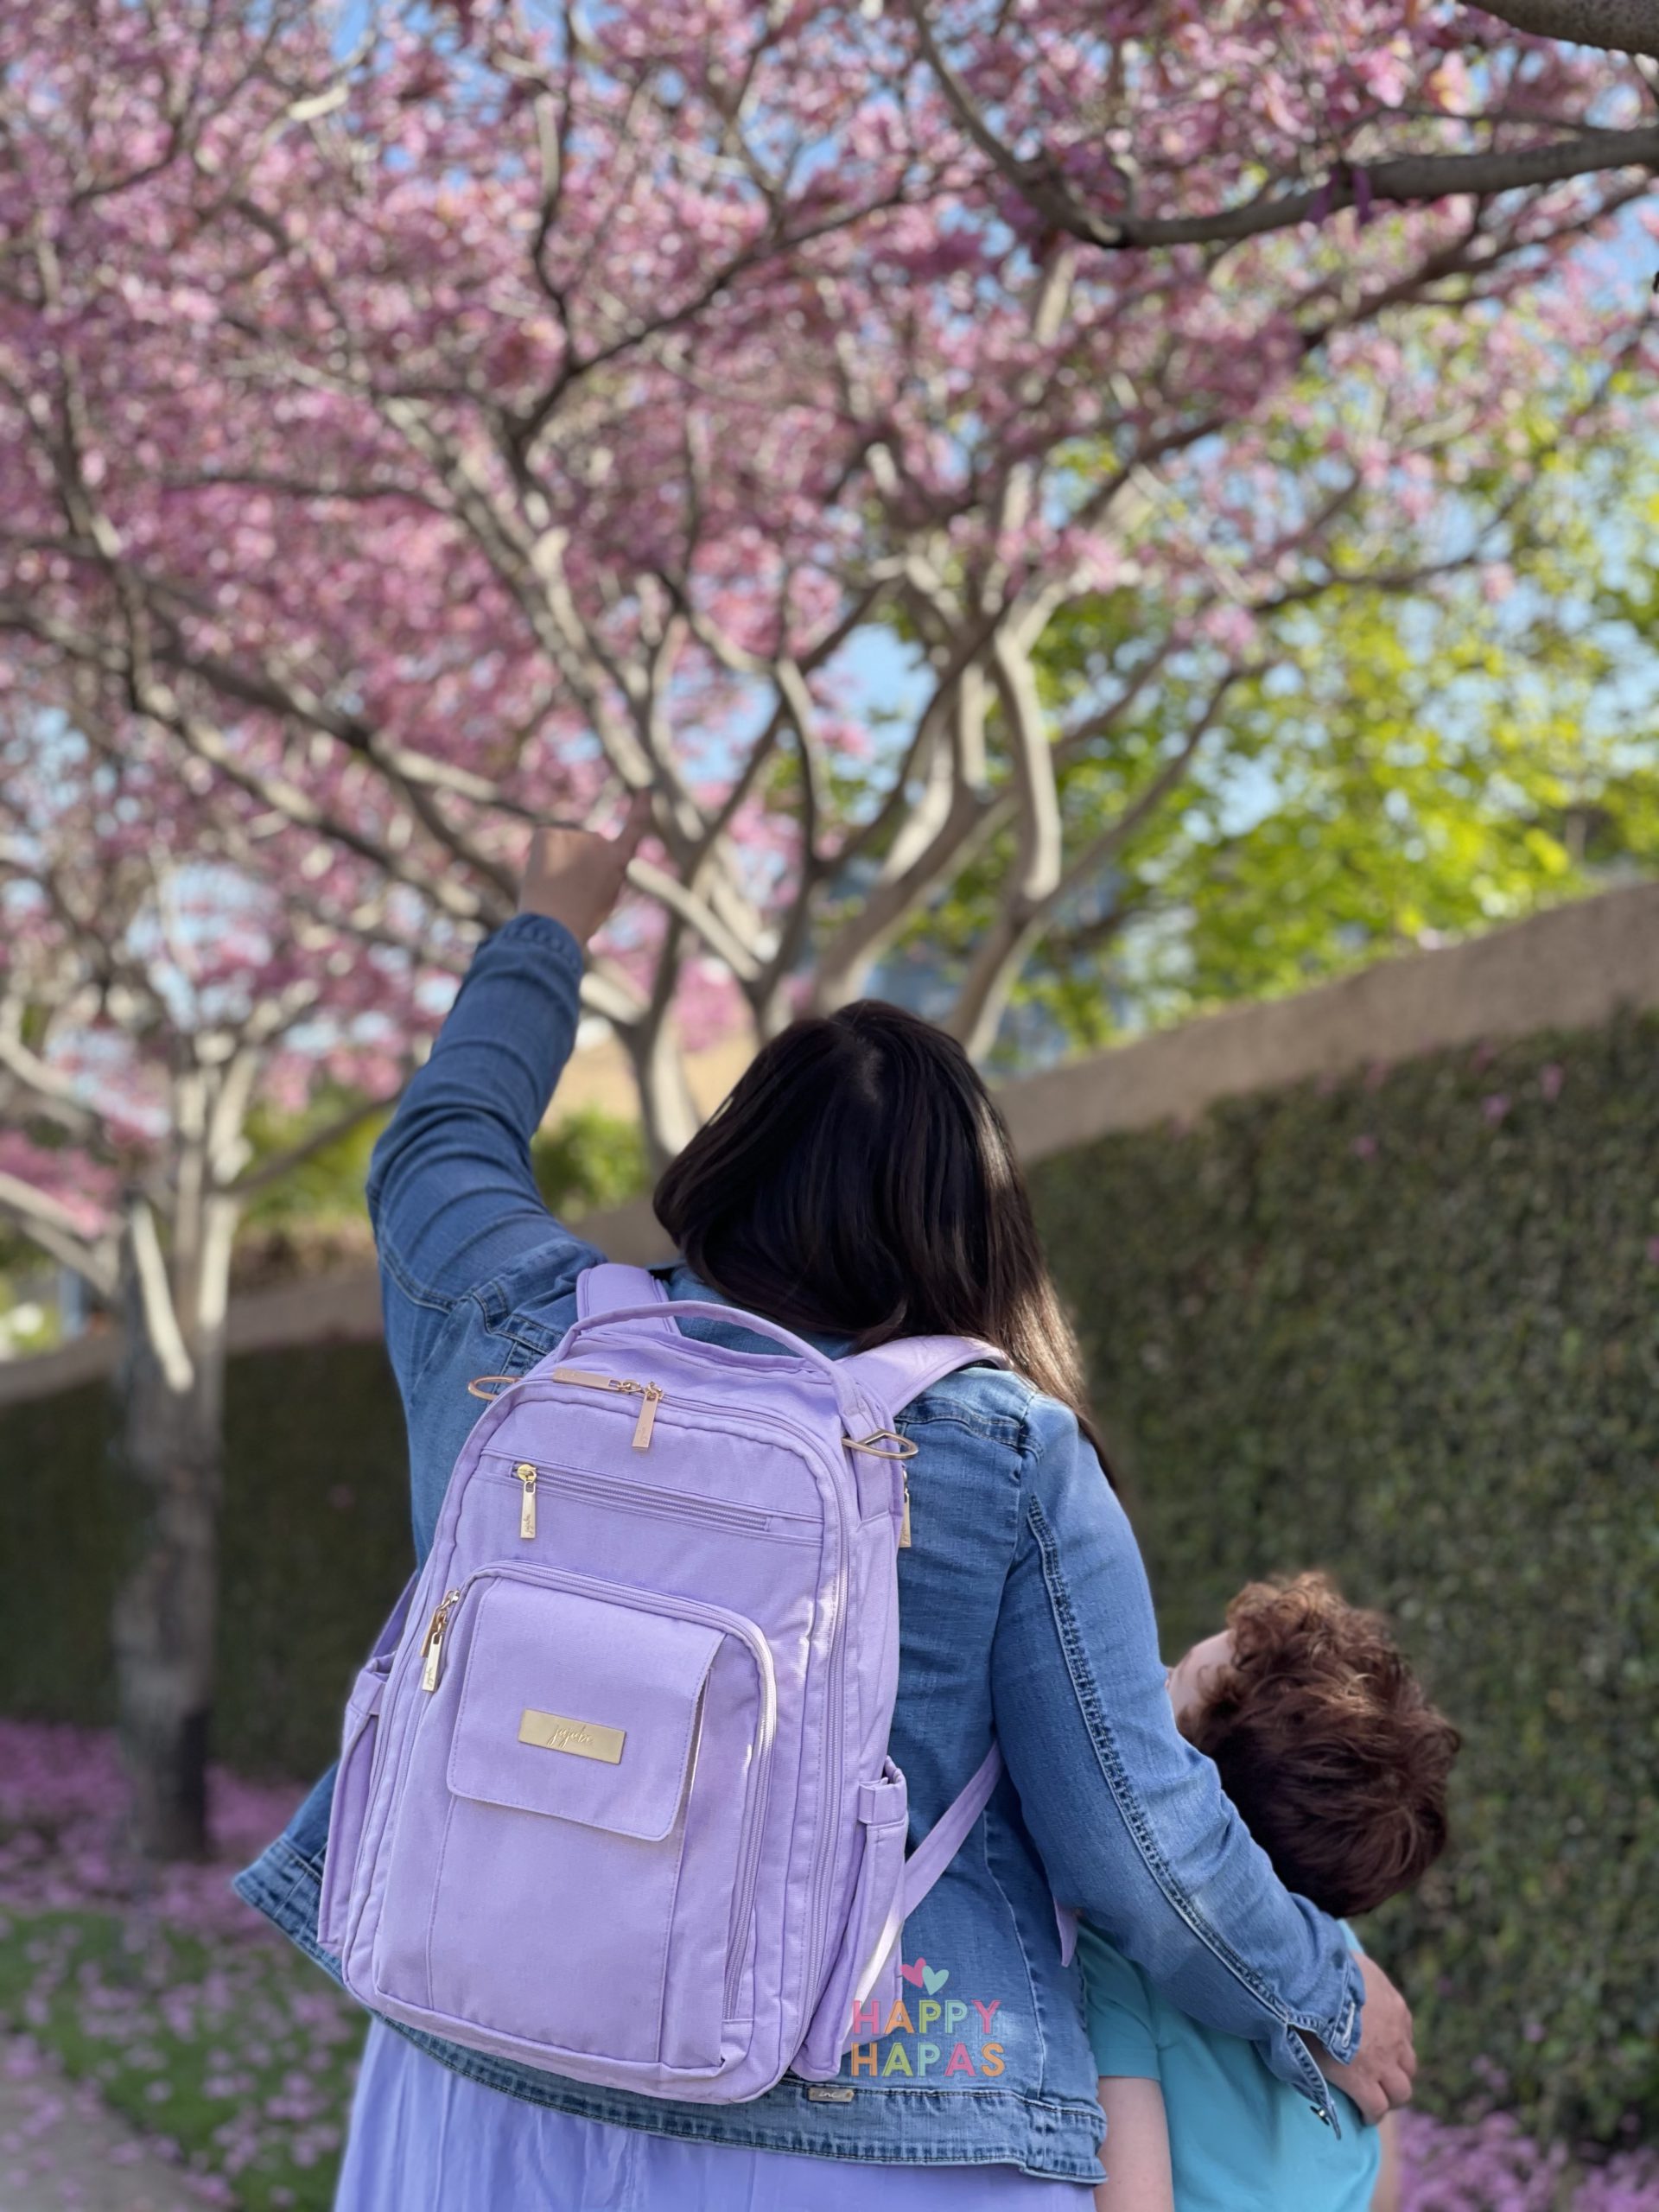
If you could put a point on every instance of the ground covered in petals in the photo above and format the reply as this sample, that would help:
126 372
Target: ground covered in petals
210 2036
167 1997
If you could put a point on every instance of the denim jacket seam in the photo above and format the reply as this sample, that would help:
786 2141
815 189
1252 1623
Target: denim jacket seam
1100 1731
1033 1987
1010 2123
561 941
690 2123
995 1429
410 1287
535 1347
1118 1781
501 1317
510 1330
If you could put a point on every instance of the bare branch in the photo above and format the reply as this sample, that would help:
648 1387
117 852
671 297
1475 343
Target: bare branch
1020 922
58 1234
1619 26
250 1184
1408 180
48 1093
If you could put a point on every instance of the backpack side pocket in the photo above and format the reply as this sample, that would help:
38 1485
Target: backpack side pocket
351 1800
864 1976
354 1776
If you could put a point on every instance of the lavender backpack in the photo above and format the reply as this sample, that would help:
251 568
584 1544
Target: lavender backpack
615 1799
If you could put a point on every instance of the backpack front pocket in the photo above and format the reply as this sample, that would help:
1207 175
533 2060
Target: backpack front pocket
575 1859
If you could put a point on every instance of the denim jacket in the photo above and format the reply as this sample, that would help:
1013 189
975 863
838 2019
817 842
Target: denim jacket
1024 1613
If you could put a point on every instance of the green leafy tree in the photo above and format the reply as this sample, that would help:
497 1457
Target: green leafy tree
585 1162
1450 745
1406 775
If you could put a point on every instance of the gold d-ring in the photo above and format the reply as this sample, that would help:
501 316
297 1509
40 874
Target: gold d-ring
876 1443
506 1382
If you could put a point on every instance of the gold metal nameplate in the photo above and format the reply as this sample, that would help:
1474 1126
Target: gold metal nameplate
556 1732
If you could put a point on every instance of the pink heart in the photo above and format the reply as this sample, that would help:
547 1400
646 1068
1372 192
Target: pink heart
913 1974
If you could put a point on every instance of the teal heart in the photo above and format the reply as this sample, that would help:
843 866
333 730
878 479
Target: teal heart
934 1979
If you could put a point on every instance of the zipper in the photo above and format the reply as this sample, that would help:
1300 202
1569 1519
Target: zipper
904 1524
432 1646
643 1498
526 1474
812 1450
650 1394
650 1601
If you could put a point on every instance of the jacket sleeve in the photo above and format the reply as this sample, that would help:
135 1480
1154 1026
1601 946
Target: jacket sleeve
1132 1823
451 1192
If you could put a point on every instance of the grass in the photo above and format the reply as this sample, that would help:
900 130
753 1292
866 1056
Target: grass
200 2026
158 1989
234 2049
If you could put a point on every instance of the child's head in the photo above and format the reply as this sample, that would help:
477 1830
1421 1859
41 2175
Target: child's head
1325 1741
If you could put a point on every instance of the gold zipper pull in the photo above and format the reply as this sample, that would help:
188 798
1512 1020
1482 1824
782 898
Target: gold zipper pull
526 1475
433 1648
904 1523
647 1421
651 1392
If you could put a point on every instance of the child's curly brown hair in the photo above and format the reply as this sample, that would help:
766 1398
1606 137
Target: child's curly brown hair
1327 1744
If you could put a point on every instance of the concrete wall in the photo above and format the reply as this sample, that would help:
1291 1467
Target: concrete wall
1571 968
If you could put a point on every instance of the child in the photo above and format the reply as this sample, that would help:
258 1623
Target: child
1337 1765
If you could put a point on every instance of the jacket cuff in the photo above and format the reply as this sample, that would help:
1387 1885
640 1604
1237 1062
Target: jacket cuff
1341 2035
540 929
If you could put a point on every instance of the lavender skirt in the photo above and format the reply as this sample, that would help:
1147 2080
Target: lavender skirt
425 2139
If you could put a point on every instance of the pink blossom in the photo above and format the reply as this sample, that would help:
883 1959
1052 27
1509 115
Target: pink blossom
447 515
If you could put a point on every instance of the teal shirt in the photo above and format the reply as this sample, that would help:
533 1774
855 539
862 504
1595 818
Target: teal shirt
1239 2139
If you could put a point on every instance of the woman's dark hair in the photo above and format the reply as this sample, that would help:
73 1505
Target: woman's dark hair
860 1180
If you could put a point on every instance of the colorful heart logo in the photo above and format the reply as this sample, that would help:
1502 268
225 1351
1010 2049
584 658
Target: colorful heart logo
933 1978
913 1974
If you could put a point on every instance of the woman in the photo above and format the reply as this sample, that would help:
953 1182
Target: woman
857 1185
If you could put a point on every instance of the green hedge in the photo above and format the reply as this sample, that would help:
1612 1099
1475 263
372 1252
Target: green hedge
315 1544
1407 1328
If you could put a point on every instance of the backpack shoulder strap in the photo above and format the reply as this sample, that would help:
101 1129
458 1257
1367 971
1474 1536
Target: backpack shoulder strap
948 1834
894 1374
610 1287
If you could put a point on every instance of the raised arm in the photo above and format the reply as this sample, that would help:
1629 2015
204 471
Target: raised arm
451 1191
1131 1823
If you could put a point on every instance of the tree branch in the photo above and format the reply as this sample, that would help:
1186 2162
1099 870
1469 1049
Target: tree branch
1617 26
53 1228
249 1185
1408 180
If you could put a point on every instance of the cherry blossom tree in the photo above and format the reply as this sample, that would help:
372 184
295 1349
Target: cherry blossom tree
531 406
1075 105
1622 26
153 988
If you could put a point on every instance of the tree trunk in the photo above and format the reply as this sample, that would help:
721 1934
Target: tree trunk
983 1000
169 1446
667 1109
